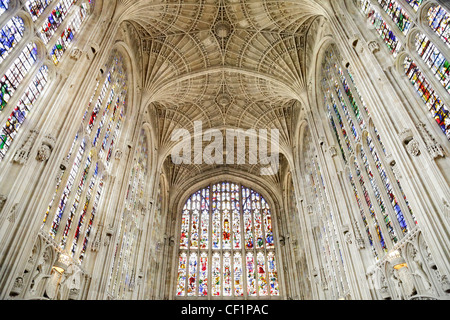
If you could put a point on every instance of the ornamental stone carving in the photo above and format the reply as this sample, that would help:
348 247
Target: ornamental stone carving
434 149
46 148
374 47
22 155
413 148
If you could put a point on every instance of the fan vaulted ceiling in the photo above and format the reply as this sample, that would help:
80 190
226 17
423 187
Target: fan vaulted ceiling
229 63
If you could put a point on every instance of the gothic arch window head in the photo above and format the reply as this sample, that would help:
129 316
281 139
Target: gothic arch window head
226 244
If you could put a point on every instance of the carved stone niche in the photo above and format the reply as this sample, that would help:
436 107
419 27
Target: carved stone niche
22 155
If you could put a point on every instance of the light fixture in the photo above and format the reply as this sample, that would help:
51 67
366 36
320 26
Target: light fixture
62 264
396 260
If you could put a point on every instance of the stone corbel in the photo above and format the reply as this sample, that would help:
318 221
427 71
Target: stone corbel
410 143
76 54
374 47
333 151
46 148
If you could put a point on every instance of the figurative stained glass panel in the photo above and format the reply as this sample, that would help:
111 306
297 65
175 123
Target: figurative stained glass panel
397 14
215 278
262 277
251 279
192 276
238 285
68 35
435 105
439 21
181 283
227 282
272 274
16 73
22 110
203 275
434 59
10 36
217 223
37 7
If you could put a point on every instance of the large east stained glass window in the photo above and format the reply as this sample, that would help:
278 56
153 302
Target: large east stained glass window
226 246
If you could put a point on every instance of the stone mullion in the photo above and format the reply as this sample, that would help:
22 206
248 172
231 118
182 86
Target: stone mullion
78 212
349 106
73 191
376 207
394 183
369 218
382 188
322 217
338 127
243 250
209 266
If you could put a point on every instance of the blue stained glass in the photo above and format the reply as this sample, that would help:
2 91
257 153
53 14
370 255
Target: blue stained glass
10 35
4 5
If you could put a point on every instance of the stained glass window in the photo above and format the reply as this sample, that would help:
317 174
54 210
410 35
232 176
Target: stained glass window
397 14
384 211
10 36
22 110
230 228
382 27
37 7
439 111
4 5
434 59
16 73
122 267
68 35
415 4
71 215
439 21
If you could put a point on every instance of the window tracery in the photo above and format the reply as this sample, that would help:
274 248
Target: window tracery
236 257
